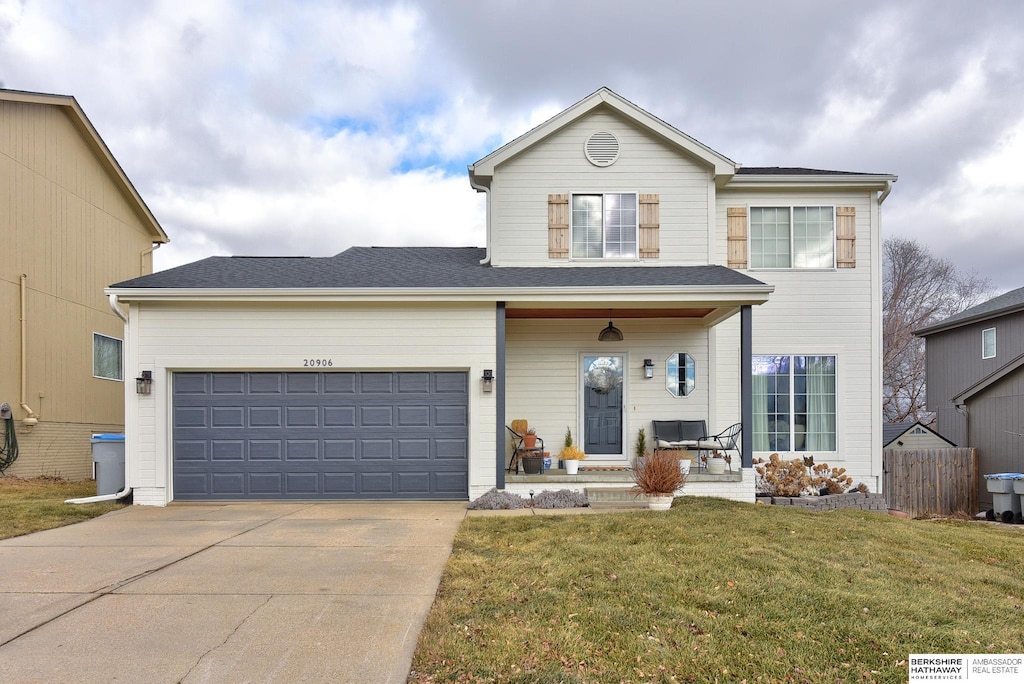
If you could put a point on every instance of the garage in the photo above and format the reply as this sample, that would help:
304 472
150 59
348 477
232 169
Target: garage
320 435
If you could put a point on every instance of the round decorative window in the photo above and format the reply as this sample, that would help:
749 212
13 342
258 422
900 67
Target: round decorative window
602 148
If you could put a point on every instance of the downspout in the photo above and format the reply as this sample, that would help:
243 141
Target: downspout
123 315
142 258
30 420
885 193
487 191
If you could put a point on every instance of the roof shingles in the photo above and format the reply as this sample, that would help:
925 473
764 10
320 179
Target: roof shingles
419 267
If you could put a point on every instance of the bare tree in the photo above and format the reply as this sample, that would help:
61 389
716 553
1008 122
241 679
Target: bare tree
918 289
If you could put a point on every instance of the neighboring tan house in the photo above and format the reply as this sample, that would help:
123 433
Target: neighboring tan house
71 223
975 382
719 293
912 434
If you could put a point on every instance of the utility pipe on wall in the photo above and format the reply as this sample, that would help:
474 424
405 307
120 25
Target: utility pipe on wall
30 419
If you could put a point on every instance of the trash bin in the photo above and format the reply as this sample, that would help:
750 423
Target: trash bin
1018 488
1004 499
108 459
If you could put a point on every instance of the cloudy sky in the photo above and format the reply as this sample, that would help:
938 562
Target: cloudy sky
307 127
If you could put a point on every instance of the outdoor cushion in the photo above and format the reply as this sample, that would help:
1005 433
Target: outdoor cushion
682 444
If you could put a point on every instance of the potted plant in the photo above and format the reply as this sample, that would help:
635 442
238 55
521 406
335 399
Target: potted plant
641 448
716 463
530 438
659 477
571 455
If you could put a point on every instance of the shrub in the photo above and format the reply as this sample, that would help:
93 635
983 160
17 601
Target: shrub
800 477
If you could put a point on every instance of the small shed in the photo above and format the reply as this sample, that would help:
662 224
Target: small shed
912 434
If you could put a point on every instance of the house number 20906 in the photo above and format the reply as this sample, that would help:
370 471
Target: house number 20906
317 363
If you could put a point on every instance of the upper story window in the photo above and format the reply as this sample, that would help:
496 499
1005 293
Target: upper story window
988 343
106 357
604 226
792 237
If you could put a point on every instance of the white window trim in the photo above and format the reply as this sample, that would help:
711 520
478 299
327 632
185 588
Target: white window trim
604 246
792 401
983 333
109 337
750 239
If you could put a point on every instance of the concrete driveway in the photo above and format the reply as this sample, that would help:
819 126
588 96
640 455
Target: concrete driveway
325 592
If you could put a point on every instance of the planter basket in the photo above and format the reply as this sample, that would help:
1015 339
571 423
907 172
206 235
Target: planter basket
533 465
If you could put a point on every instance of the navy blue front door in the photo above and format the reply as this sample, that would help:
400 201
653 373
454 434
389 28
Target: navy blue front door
603 379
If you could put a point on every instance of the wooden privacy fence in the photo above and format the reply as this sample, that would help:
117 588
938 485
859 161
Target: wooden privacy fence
924 482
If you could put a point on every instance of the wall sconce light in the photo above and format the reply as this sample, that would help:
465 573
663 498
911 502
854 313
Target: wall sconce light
487 383
144 384
648 369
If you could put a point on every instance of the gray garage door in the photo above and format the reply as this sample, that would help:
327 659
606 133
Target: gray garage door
380 435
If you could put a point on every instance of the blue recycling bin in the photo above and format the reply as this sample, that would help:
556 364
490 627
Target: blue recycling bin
108 459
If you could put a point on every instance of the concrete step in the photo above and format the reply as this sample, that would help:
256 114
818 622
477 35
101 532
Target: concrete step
614 497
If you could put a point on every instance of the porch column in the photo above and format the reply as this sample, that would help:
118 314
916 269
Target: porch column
499 395
747 385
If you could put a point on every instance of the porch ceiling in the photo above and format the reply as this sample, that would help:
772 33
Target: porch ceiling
604 313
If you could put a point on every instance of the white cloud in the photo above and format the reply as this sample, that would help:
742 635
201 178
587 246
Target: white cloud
263 127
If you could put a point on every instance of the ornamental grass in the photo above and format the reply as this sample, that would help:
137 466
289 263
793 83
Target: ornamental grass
658 473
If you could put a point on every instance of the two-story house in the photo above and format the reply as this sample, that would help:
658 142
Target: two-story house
71 222
630 273
973 365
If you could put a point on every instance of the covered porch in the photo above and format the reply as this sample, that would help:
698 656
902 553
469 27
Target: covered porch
606 369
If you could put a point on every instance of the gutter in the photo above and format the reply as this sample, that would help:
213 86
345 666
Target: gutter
487 191
123 315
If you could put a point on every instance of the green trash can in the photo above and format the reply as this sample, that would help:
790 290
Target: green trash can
108 459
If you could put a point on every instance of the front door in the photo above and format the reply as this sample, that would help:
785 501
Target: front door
602 379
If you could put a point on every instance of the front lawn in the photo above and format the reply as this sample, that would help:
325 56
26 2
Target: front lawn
38 504
715 590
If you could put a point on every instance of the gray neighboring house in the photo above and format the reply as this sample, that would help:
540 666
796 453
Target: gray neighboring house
975 381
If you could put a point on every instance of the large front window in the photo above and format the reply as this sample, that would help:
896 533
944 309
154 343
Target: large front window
794 403
604 226
792 237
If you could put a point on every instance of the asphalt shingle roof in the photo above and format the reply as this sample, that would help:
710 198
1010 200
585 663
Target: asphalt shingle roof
796 171
420 267
1014 299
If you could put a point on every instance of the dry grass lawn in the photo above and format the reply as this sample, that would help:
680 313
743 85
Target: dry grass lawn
719 591
30 505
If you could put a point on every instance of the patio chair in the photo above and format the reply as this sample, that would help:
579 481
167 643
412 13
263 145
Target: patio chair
678 434
725 441
518 450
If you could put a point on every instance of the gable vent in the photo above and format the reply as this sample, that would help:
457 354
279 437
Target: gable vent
602 148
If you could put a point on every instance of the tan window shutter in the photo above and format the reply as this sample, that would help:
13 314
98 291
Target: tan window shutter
846 237
650 222
736 220
558 226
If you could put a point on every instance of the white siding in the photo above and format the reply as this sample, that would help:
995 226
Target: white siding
819 312
520 189
165 338
543 380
